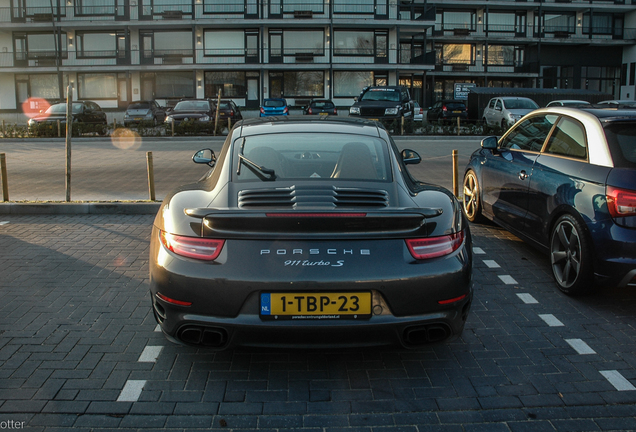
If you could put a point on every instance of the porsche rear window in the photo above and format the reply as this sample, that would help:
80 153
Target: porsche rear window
621 137
313 156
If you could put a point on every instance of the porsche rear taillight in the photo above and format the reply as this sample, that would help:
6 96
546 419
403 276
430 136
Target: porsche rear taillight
621 202
433 247
192 247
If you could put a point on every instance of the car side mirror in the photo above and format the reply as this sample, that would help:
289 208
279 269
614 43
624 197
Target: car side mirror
205 156
489 143
410 157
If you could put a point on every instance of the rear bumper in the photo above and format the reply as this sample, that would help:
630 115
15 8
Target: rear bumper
248 329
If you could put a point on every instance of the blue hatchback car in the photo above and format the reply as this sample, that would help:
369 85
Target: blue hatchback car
564 179
274 107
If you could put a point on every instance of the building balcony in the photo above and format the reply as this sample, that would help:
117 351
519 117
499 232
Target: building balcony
294 11
217 58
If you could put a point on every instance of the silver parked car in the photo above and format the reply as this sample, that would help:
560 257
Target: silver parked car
505 111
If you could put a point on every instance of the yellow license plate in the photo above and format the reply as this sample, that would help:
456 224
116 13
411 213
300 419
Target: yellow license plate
316 305
323 113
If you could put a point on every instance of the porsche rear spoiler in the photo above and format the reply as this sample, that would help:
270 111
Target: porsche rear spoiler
281 224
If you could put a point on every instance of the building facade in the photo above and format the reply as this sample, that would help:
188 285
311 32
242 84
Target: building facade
118 51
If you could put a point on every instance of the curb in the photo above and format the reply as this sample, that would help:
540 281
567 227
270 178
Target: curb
79 208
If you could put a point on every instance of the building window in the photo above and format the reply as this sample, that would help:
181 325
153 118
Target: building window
553 23
304 41
451 20
603 79
501 22
231 84
173 42
353 43
97 86
632 73
450 54
351 83
598 24
505 55
172 85
354 6
96 44
316 6
40 7
224 43
624 74
43 86
225 6
94 7
304 84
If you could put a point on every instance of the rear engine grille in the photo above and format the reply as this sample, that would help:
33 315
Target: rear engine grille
299 197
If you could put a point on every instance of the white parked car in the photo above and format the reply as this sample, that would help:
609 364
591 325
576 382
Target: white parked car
506 110
571 103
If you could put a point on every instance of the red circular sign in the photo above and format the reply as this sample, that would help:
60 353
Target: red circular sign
34 106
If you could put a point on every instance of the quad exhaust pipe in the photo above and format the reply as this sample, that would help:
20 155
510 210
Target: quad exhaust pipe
211 337
425 334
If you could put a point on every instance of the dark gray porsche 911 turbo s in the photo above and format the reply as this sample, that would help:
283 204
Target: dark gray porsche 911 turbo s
310 232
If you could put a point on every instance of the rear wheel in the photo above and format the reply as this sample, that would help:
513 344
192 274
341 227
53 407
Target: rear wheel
471 201
571 256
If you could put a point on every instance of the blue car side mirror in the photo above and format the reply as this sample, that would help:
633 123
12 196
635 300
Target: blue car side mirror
489 143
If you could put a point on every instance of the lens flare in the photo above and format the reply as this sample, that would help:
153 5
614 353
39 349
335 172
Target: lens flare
126 139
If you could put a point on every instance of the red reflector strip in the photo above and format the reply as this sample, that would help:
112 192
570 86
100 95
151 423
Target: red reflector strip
173 301
316 215
453 300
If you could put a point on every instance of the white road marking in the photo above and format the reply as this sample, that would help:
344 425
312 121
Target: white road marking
580 346
507 279
150 354
478 251
491 264
551 320
158 328
131 391
4 222
619 382
527 298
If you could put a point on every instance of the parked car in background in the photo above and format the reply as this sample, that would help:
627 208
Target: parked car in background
564 180
320 107
87 112
345 247
445 110
379 103
418 112
617 103
507 110
200 112
148 112
274 107
572 103
229 110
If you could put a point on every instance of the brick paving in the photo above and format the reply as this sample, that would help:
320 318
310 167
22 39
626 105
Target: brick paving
75 318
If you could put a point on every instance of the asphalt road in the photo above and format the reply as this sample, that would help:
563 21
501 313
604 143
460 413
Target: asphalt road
111 169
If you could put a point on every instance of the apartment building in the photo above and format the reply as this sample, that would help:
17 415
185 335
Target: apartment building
118 51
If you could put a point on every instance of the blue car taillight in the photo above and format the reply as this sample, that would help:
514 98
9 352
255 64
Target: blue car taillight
621 202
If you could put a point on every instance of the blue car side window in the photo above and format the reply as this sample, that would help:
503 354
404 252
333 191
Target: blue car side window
530 134
568 139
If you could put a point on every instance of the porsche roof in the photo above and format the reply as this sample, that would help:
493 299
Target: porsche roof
286 124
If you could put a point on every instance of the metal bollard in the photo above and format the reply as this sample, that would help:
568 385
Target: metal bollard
3 170
151 176
455 172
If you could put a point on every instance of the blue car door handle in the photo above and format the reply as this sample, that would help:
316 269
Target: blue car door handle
523 175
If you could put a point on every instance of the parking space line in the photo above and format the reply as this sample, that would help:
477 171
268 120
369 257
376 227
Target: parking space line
580 346
507 279
131 391
491 264
619 382
527 298
551 320
478 251
150 354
